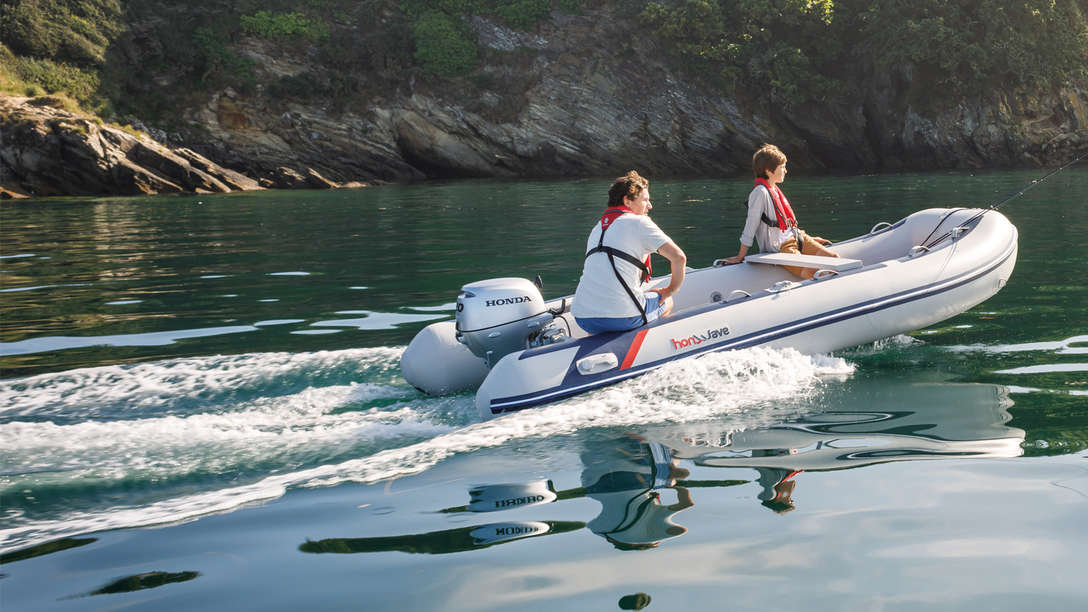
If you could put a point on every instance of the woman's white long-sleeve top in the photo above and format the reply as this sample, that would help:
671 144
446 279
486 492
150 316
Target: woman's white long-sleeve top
769 238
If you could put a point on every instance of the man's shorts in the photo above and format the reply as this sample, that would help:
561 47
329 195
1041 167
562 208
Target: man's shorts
596 325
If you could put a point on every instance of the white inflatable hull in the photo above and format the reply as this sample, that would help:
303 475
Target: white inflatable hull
895 289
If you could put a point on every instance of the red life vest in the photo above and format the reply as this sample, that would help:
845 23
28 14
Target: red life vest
610 215
782 210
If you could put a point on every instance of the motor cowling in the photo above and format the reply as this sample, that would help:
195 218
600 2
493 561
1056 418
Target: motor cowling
496 317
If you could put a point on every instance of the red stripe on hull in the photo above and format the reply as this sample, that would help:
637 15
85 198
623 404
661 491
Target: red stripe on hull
632 352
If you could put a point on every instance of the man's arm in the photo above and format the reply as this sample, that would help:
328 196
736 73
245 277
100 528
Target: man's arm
677 260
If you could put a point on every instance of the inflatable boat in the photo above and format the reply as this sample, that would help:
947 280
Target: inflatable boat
519 350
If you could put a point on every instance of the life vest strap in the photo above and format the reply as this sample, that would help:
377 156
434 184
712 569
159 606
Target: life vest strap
762 216
784 218
630 293
606 221
641 265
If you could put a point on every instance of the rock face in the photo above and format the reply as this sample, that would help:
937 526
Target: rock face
49 151
554 103
46 151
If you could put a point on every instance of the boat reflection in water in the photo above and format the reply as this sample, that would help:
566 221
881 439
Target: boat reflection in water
902 423
642 481
445 541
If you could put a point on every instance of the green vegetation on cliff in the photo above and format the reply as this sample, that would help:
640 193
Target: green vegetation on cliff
443 44
75 32
57 47
266 24
741 42
104 53
148 58
809 49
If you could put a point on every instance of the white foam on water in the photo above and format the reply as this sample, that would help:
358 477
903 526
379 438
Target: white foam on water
146 387
408 435
279 430
289 274
691 389
879 346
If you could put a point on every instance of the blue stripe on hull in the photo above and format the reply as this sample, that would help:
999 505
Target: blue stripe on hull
623 340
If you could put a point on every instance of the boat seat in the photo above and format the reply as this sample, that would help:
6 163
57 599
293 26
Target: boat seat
838 264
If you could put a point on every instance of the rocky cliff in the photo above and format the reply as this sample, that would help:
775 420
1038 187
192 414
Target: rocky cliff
549 103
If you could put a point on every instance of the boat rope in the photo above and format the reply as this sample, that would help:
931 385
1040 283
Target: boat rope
998 203
939 223
1033 183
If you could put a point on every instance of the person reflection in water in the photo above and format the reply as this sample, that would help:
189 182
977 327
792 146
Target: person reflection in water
778 485
777 482
628 478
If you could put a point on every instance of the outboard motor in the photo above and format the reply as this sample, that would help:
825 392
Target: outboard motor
498 316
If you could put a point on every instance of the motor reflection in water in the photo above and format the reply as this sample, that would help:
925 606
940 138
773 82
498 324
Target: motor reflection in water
642 481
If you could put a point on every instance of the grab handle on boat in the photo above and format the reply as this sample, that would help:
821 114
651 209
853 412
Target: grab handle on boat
784 285
877 227
735 292
958 231
562 308
917 250
824 272
595 364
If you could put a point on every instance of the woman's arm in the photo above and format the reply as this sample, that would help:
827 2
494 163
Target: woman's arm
739 257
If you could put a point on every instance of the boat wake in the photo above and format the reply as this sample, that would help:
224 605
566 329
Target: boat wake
135 445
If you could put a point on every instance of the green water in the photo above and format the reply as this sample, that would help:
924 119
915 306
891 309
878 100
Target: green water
228 366
121 268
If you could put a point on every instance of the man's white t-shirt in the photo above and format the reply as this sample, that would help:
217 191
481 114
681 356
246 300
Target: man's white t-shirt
599 292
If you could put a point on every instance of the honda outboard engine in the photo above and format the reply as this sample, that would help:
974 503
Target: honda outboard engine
496 317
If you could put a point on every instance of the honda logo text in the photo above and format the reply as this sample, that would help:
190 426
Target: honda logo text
506 301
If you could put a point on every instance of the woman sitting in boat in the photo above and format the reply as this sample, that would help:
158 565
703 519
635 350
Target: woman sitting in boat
770 218
611 294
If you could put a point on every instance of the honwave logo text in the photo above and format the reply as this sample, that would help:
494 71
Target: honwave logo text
505 301
517 501
695 339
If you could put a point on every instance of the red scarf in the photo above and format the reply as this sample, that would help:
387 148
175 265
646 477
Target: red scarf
610 215
782 209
